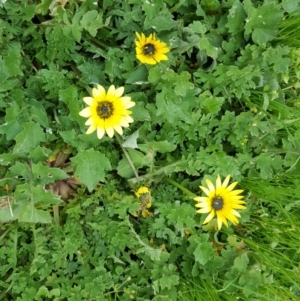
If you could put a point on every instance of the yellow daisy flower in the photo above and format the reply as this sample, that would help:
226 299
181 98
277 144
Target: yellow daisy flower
220 200
150 50
107 111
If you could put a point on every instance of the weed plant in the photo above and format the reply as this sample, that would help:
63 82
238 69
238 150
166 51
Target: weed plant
84 218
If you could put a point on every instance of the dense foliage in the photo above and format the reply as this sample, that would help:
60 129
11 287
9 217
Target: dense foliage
226 102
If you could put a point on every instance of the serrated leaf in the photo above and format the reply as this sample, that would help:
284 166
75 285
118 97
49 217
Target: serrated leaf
198 27
39 154
92 21
91 167
241 263
211 50
31 136
70 97
12 61
168 281
262 21
203 253
21 169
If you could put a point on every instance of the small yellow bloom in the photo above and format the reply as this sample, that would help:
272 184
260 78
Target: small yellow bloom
150 50
220 200
107 111
144 196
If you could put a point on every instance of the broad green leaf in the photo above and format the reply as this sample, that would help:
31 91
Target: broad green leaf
131 141
139 160
30 214
38 113
42 174
138 76
31 136
7 159
236 18
21 169
90 167
44 198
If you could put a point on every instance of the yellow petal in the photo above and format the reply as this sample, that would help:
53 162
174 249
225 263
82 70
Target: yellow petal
209 217
118 129
86 112
110 131
100 133
88 100
91 129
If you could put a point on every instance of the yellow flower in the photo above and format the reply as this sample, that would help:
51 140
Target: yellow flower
107 111
150 50
220 200
144 196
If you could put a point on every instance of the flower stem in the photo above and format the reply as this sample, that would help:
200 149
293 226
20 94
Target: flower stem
186 191
128 157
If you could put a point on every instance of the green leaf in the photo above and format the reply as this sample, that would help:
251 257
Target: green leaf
203 253
21 169
70 97
241 262
131 141
42 174
236 18
39 154
38 113
12 61
262 21
198 27
139 160
44 198
157 146
90 167
210 103
138 76
92 21
29 138
30 214
211 50
168 281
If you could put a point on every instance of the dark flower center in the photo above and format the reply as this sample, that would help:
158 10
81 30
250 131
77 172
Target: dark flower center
149 49
105 109
217 203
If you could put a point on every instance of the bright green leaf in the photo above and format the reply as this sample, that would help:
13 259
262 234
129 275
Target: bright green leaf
90 167
29 138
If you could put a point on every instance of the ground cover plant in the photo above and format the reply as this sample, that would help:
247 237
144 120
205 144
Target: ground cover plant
149 150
